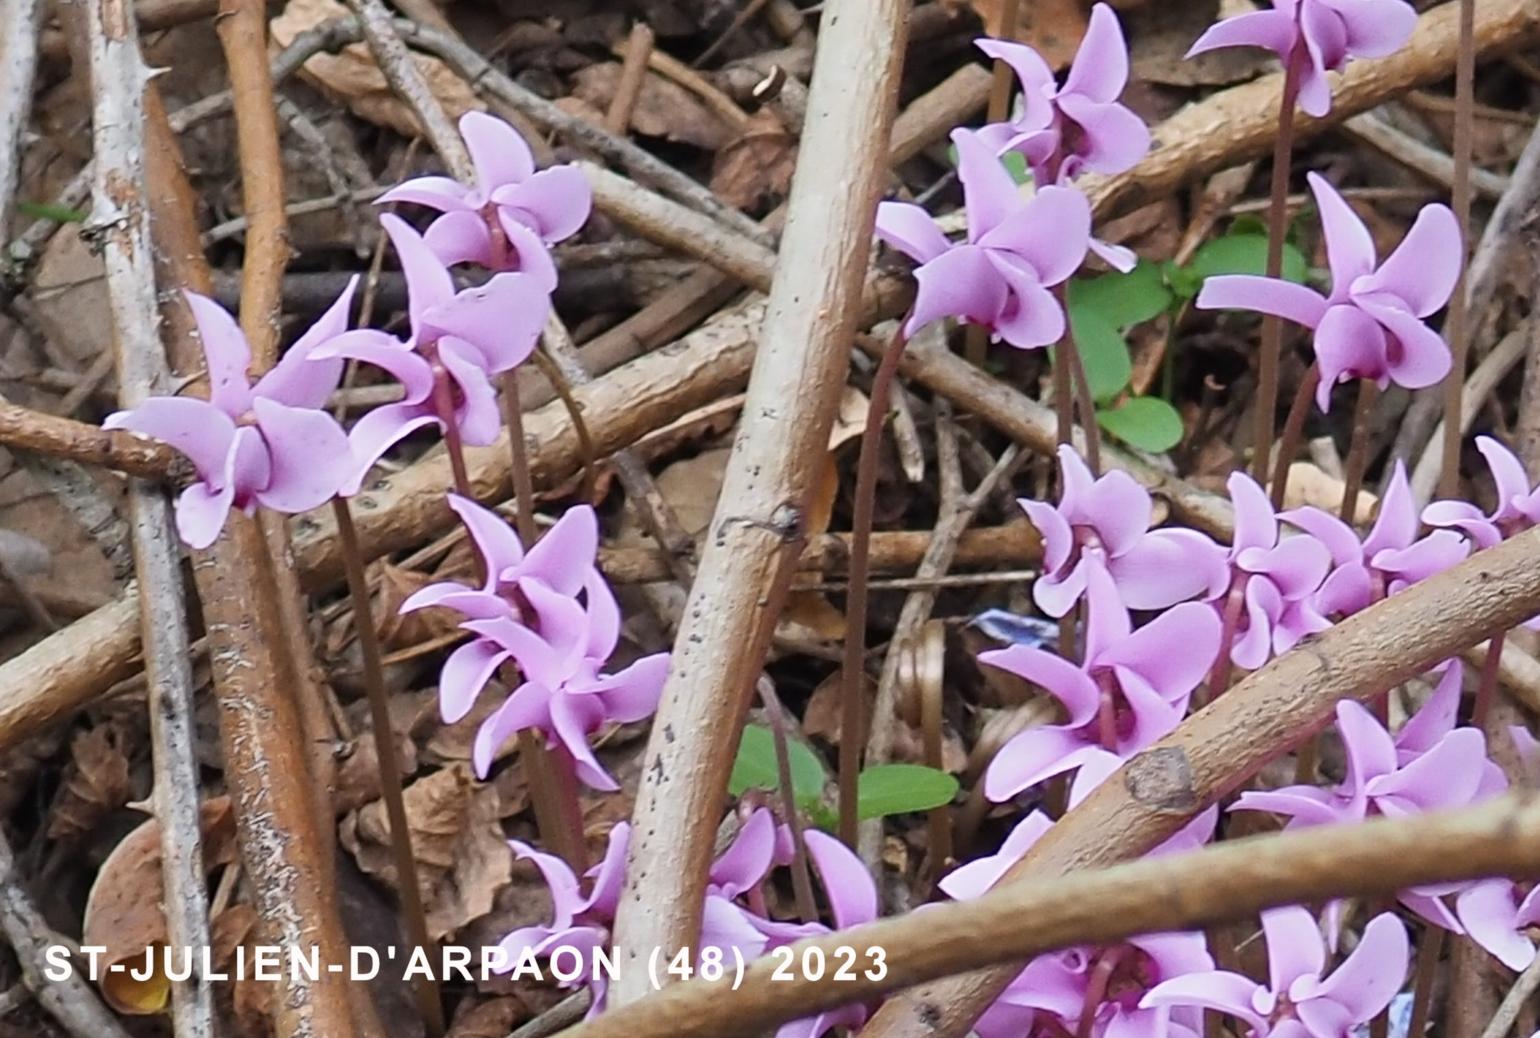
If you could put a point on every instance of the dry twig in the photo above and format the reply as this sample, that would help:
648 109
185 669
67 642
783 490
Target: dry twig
20 23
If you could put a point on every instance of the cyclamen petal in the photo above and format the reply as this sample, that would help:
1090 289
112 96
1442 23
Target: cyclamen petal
309 456
909 229
1100 69
498 152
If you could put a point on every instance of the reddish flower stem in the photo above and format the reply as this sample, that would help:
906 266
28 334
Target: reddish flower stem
1294 432
1083 401
1358 449
423 987
1486 691
1277 228
523 482
1235 600
801 879
1428 953
443 403
852 705
1458 324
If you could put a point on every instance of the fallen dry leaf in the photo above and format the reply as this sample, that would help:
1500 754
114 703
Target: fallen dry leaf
123 910
1054 27
95 784
462 857
352 75
753 170
663 109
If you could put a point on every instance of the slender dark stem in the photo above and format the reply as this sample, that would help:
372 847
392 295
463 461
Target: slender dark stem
1427 971
801 880
1457 328
1486 691
1084 402
424 987
563 390
553 795
1219 676
523 482
1358 449
1294 432
1277 228
443 403
977 338
852 692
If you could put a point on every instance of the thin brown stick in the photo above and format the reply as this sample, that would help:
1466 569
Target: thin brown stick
518 457
853 664
1099 906
407 883
1277 228
633 73
801 880
20 24
1508 1012
242 26
813 306
1358 449
1294 432
1217 748
1428 952
1457 328
118 78
740 19
22 428
1085 405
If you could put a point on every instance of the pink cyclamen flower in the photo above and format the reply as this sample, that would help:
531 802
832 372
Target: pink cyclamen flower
565 695
1430 764
1518 504
1499 915
1063 131
1106 523
268 444
1313 37
505 220
580 922
1273 581
1017 249
1389 559
1372 324
1298 1001
1131 689
458 341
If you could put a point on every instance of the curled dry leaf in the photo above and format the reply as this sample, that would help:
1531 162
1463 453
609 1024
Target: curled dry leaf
1054 27
352 75
462 857
245 1000
95 784
663 109
123 910
753 170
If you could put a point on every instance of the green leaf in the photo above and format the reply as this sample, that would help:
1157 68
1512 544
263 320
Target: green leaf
1103 351
1244 254
754 767
1146 422
1123 300
895 789
49 211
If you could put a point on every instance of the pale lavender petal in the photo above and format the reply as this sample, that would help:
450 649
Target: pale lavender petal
1254 645
1031 316
1297 565
603 616
1488 913
959 283
201 512
976 877
1349 247
539 660
465 673
1314 89
1425 266
502 319
300 379
378 431
1462 515
988 189
1149 650
608 876
1032 74
847 883
1107 624
1436 718
1337 536
1057 595
1507 473
555 202
1112 138
427 279
441 193
1051 232
1100 69
1120 510
1032 756
565 554
1057 536
1062 679
911 230
747 859
496 541
1272 30
527 253
1349 344
309 456
1265 295
476 413
1448 775
633 693
1216 989
1256 526
194 428
1435 553
1375 28
1370 977
1415 355
528 707
566 896
1345 591
1294 946
1155 715
1117 257
387 353
1397 524
227 353
497 151
1370 750
1168 566
573 717
1306 805
460 237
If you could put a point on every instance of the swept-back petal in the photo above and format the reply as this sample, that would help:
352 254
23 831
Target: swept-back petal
1370 977
563 557
498 152
1112 138
1050 231
1375 28
301 379
554 202
308 453
1415 355
501 319
988 189
1033 76
427 279
1265 295
195 428
528 707
846 880
1100 68
1152 651
460 237
1349 246
1272 30
911 230
496 541
445 194
227 353
1425 266
961 282
1062 679
465 673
